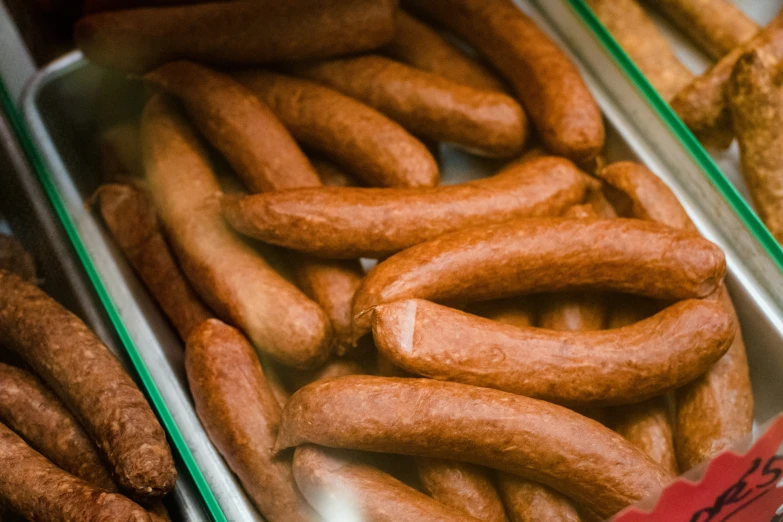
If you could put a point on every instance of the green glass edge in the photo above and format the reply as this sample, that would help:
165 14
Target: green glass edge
174 433
676 125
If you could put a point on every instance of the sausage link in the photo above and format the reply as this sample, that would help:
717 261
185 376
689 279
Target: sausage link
560 106
37 489
716 410
331 175
703 105
465 487
639 36
15 259
646 425
239 125
545 255
237 32
341 488
371 146
34 412
535 439
619 366
429 105
512 311
262 151
716 26
128 214
757 109
228 274
420 46
241 415
120 153
527 501
91 382
361 222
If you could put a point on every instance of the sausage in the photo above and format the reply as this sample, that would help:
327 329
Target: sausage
369 145
636 192
647 426
257 144
275 382
237 32
332 284
596 368
341 488
33 411
331 175
716 410
429 105
512 311
239 125
715 26
560 106
362 222
120 153
228 274
531 438
757 105
15 259
91 382
38 490
527 501
128 214
334 368
545 255
571 311
465 487
703 105
420 46
241 416
640 38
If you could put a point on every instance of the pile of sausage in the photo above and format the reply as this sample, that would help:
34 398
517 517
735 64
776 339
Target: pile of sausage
739 96
78 440
522 337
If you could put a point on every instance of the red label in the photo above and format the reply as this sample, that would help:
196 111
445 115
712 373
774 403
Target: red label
735 488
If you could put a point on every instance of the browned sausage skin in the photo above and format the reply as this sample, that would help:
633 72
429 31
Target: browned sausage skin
369 145
545 255
421 46
229 274
130 217
260 31
340 488
37 489
362 222
34 412
239 125
241 416
534 439
466 487
715 410
552 91
91 382
431 106
619 366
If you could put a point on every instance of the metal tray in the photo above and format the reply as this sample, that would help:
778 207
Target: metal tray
31 218
59 108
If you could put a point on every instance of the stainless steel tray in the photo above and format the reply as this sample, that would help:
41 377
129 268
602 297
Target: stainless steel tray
31 218
59 109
